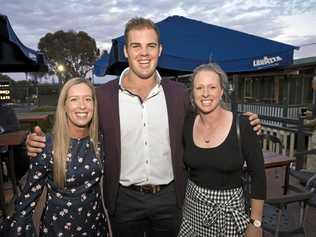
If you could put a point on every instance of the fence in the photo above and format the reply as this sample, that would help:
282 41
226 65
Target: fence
294 137
277 111
36 94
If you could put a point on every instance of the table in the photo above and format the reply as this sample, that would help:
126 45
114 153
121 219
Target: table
274 160
10 139
31 118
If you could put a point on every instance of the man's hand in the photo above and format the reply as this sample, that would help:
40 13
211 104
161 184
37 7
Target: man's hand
308 114
255 122
35 142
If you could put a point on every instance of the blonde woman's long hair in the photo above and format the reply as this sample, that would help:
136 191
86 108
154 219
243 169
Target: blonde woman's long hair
60 133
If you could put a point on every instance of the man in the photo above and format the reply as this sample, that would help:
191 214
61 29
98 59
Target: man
10 123
311 123
8 120
141 119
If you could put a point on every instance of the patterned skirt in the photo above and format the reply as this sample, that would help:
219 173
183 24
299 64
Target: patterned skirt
213 212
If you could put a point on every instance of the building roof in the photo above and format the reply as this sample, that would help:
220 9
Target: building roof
304 61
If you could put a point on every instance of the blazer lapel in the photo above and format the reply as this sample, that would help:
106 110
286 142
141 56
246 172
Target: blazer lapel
116 118
170 101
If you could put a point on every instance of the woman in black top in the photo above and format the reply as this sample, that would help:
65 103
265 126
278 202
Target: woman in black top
214 203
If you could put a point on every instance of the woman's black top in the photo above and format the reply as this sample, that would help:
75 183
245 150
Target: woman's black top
220 168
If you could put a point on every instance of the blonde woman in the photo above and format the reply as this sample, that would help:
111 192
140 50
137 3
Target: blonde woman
71 168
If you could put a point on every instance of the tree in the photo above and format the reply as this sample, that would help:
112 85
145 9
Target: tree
4 77
35 77
77 52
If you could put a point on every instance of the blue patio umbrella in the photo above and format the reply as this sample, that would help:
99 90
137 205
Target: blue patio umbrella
14 55
188 43
101 65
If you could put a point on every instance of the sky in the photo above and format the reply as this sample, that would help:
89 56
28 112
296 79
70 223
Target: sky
288 21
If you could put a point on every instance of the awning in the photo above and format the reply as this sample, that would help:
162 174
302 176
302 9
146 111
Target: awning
14 56
188 43
101 65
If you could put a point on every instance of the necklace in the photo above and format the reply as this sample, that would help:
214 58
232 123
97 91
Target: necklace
204 138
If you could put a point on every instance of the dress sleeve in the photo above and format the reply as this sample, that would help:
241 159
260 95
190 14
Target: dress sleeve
21 222
252 151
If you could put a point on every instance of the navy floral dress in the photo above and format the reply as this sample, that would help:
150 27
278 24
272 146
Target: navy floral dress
75 211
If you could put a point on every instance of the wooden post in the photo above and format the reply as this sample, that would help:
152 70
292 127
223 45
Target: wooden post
286 94
234 94
300 145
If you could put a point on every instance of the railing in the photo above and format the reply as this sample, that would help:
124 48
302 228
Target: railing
36 94
293 135
278 111
286 136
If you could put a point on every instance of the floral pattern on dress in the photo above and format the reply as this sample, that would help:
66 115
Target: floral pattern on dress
75 211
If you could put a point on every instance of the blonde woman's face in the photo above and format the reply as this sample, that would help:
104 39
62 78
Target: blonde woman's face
207 91
79 107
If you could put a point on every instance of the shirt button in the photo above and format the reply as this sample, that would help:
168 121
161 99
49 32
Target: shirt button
144 124
146 161
146 143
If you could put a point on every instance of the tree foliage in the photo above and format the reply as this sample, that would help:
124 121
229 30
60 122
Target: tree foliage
4 77
77 52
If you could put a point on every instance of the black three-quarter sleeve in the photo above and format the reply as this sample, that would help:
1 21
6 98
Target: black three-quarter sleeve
21 223
252 152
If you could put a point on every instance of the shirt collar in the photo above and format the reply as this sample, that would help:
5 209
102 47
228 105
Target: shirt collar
123 74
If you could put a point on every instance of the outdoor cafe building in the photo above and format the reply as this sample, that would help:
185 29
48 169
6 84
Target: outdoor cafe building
280 93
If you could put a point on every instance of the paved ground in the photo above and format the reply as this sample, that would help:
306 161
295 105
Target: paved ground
274 189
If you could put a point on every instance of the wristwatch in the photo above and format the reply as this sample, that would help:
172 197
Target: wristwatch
255 222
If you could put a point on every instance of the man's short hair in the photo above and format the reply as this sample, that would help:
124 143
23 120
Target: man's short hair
138 23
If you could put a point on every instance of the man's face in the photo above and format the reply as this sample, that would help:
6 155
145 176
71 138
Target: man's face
142 52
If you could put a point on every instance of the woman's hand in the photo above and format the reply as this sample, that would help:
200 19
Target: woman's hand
253 231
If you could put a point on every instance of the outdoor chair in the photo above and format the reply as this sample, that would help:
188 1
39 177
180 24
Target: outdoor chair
276 217
303 175
272 140
306 177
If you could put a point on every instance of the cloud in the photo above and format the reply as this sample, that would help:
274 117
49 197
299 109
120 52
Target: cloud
296 27
105 20
288 21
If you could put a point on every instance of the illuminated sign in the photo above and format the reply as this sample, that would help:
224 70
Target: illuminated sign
5 94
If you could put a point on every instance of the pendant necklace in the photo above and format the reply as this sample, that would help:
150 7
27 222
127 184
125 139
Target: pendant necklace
205 139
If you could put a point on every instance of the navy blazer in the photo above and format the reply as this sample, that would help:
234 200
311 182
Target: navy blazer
108 105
